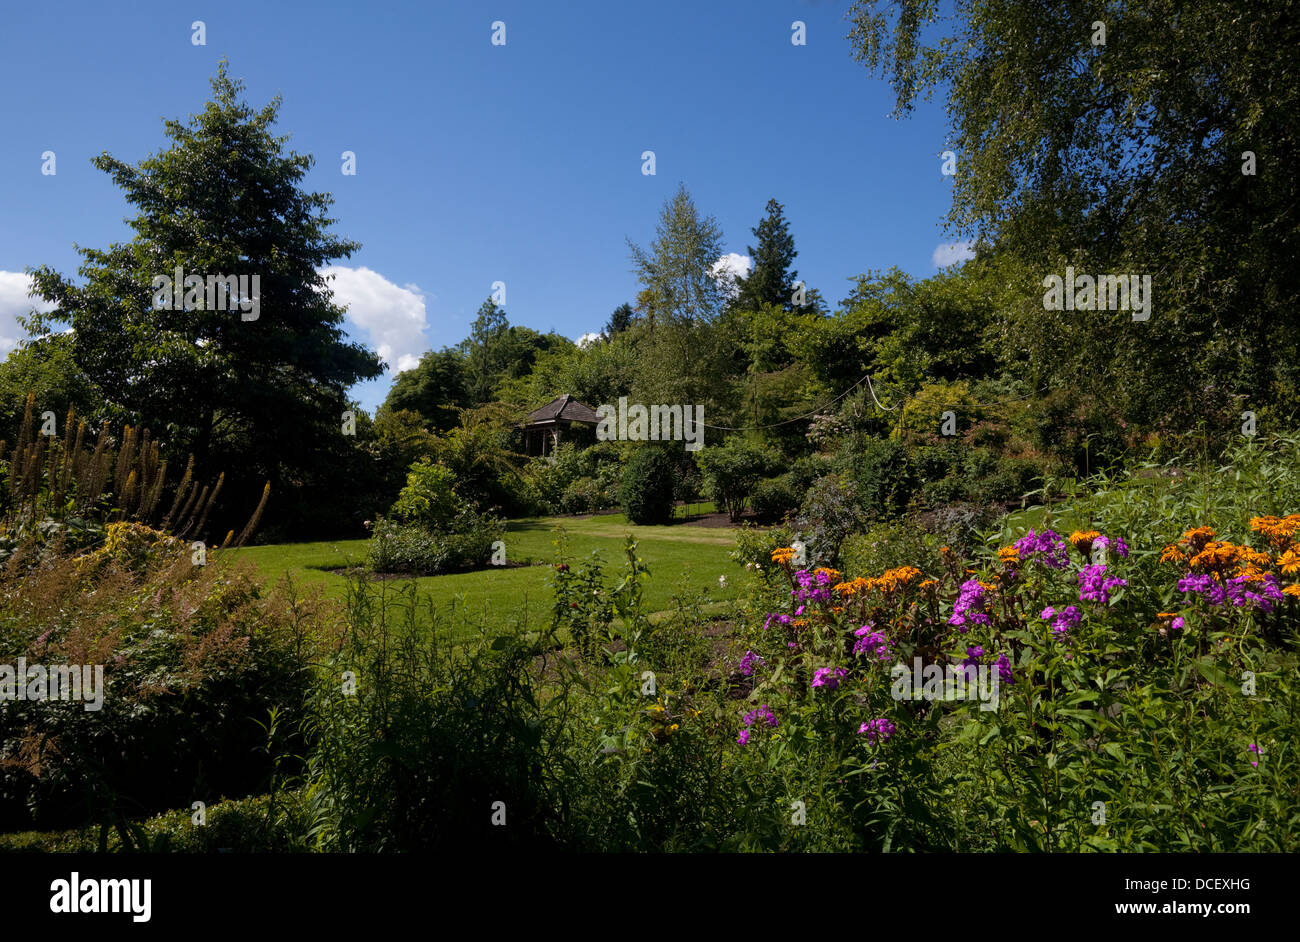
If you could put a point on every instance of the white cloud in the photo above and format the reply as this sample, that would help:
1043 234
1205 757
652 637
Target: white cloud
730 267
14 302
949 253
393 315
586 339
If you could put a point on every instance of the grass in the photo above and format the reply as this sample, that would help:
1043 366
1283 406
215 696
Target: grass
680 557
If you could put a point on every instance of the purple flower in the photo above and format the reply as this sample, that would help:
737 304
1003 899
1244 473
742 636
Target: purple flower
828 677
872 643
1254 747
778 617
743 738
1094 586
973 655
879 730
1177 623
748 661
1117 544
1003 665
1047 544
763 714
1063 620
1234 592
966 609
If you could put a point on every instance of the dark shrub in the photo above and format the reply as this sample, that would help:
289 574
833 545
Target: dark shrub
773 498
830 512
884 477
647 488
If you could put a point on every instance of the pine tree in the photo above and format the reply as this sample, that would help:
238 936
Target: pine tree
771 280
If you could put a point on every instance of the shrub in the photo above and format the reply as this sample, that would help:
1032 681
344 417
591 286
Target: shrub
883 475
647 488
193 659
754 546
889 546
773 498
397 547
730 471
583 495
428 500
829 513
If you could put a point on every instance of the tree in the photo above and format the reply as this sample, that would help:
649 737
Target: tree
436 389
45 366
1166 149
620 320
677 270
259 398
771 280
484 351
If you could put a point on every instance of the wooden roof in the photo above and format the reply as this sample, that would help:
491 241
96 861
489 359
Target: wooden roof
562 409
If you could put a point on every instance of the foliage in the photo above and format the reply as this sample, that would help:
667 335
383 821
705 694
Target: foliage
830 512
262 398
193 656
647 487
730 471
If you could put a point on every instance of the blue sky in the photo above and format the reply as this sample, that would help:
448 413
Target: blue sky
479 163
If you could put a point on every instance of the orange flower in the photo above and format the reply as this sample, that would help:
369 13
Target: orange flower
1279 530
783 555
1290 561
1216 555
1196 538
1082 541
891 580
1292 590
832 574
1172 554
1009 554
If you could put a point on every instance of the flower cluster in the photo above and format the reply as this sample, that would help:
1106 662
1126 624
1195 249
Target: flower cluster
968 609
749 661
813 587
1063 620
872 643
1096 586
828 677
779 617
1233 592
1047 547
878 730
1085 541
1003 664
763 714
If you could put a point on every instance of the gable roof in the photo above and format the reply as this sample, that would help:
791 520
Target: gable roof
563 409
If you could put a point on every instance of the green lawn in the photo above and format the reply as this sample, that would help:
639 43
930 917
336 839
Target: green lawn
680 555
